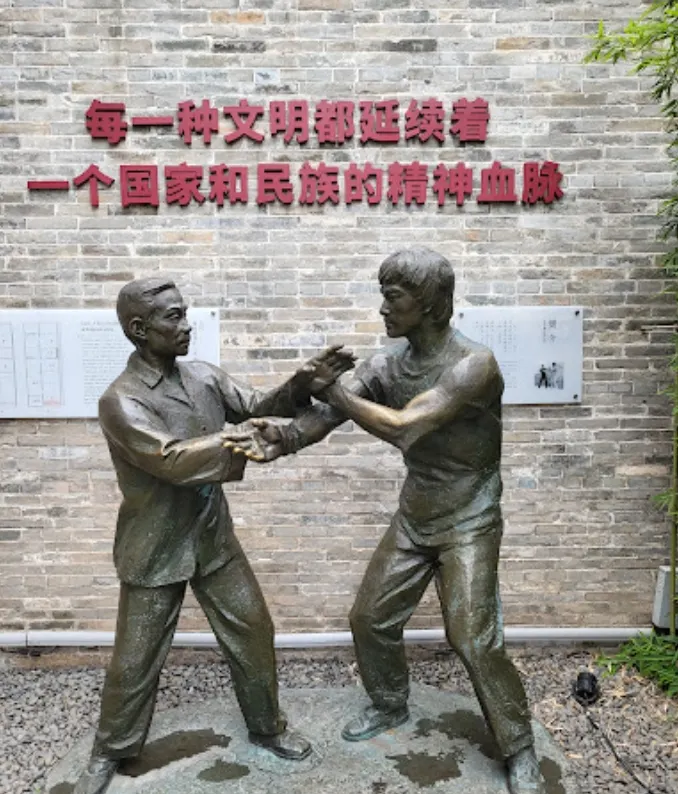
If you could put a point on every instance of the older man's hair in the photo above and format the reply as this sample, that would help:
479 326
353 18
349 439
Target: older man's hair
427 275
136 300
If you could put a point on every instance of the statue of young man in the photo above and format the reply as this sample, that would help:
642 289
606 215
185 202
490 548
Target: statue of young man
164 424
437 397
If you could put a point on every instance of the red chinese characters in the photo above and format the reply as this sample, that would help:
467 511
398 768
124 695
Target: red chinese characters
541 183
469 120
95 177
152 121
457 182
334 122
366 179
139 185
405 183
228 183
497 184
318 185
290 118
104 120
202 120
48 184
425 121
379 121
244 117
408 181
273 183
182 182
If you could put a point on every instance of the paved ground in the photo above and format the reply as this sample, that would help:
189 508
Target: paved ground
48 703
445 746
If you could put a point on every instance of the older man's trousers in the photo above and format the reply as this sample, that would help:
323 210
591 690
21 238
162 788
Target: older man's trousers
465 572
147 617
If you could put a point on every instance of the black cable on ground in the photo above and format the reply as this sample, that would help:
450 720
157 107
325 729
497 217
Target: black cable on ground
585 692
624 765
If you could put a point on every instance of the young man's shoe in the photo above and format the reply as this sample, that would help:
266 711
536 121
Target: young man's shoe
372 722
524 776
288 745
97 776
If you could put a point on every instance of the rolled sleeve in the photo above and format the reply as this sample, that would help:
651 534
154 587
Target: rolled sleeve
243 402
141 437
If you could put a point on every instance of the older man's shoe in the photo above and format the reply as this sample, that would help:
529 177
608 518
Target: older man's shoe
97 776
372 722
524 776
288 745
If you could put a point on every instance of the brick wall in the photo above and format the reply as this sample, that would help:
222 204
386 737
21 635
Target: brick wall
582 538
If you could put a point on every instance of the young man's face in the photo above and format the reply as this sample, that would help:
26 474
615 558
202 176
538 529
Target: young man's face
168 333
401 311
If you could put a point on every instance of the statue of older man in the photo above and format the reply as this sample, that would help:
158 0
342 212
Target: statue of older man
164 424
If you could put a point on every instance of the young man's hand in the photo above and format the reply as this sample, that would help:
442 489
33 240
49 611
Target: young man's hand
322 370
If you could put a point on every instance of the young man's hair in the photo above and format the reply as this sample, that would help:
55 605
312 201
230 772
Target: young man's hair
135 299
427 275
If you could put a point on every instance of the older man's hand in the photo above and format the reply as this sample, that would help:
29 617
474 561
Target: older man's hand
259 440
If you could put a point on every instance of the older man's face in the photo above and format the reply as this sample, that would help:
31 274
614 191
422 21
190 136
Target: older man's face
168 333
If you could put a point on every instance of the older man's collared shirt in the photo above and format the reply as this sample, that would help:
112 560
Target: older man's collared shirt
164 436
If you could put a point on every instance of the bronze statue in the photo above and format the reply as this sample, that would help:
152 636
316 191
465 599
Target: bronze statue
437 397
164 424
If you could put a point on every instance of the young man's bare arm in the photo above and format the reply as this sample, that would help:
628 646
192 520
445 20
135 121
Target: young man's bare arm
474 379
270 439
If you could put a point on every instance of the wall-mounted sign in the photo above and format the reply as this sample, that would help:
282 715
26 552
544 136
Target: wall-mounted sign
539 349
333 125
58 362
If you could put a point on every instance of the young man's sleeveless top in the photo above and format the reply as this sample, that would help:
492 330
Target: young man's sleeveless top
453 486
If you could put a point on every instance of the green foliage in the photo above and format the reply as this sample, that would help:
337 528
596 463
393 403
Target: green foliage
651 42
654 656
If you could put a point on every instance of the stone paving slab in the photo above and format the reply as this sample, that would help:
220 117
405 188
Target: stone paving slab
445 748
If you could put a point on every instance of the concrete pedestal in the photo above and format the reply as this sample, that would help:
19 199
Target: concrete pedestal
203 749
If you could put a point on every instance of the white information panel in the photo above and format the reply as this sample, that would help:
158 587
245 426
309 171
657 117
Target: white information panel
58 362
539 349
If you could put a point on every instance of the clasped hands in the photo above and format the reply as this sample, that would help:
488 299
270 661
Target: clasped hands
261 440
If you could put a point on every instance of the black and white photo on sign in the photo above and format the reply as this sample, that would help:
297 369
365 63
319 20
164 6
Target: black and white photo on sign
550 376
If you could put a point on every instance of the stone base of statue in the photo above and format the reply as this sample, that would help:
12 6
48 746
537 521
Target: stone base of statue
203 749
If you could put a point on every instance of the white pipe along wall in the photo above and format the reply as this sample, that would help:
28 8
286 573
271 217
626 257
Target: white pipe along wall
516 634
